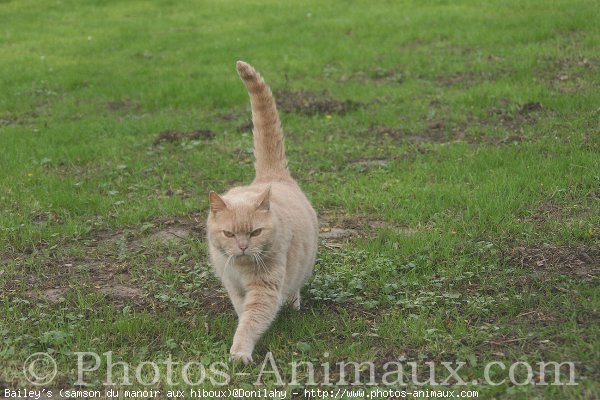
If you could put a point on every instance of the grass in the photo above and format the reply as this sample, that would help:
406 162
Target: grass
456 144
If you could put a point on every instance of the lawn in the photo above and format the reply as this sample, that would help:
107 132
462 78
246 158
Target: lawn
451 150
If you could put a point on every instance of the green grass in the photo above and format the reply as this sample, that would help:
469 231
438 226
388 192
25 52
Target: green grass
468 173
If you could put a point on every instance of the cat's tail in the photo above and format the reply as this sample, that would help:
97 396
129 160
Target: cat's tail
269 150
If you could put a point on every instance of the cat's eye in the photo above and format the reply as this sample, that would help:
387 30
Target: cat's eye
256 232
228 234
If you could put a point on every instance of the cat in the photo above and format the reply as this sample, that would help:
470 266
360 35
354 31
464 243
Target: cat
262 238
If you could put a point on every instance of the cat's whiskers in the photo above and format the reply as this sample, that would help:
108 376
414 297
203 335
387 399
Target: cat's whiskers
254 258
266 254
262 265
262 262
259 261
258 264
227 261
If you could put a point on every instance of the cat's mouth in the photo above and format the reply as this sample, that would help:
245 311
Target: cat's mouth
245 260
249 259
244 256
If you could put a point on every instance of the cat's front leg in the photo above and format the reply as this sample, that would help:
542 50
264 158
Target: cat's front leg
236 297
261 304
294 300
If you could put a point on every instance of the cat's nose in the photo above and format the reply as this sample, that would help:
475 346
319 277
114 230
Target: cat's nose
243 247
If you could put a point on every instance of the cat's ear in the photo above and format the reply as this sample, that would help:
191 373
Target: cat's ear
264 200
216 202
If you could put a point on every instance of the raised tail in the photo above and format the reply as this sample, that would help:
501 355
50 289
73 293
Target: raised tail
269 149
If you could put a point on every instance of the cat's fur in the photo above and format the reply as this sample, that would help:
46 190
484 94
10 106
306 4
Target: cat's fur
275 231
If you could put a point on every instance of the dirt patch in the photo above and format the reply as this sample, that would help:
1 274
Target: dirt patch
108 277
52 295
371 162
170 235
499 141
112 279
42 217
214 300
467 78
8 119
447 133
244 156
354 222
547 260
193 221
546 212
530 107
311 103
122 293
161 231
336 229
436 132
336 233
354 310
176 136
55 295
390 133
572 210
18 119
104 265
377 76
386 76
570 74
101 273
122 105
514 119
333 232
245 127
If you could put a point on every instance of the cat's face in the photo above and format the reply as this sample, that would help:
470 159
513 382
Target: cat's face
241 227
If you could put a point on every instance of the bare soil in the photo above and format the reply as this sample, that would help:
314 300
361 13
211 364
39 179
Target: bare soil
310 103
245 127
336 228
546 260
100 269
526 113
176 136
569 74
122 105
468 78
436 132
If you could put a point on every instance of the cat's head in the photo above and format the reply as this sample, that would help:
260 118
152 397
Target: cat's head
241 225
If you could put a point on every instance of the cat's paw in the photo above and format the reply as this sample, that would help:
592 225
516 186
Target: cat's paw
295 302
296 305
244 357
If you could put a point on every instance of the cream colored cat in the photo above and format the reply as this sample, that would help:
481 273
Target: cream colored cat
263 237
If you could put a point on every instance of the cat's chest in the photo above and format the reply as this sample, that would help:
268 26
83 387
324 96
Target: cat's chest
240 272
